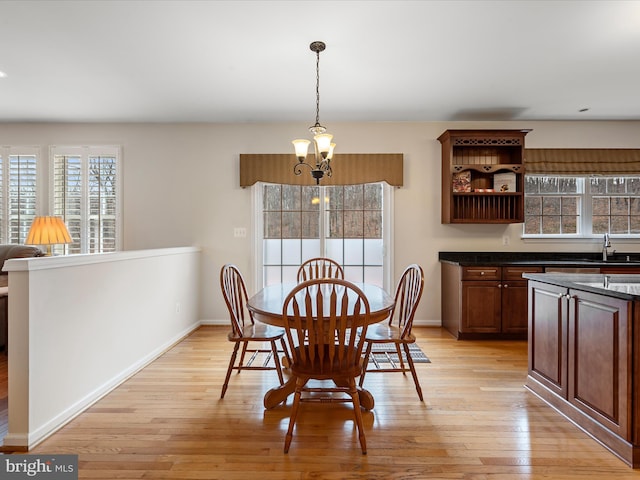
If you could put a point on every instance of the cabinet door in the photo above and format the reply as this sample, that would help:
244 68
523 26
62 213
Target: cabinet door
515 299
548 336
600 359
481 307
515 307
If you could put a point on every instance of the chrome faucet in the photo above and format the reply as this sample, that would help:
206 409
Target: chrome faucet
605 247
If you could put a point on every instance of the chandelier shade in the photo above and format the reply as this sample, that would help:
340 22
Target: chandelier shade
322 144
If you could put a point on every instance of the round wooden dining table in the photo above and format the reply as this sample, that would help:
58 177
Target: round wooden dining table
266 307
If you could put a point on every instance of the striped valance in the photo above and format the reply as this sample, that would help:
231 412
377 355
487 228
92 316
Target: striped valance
582 161
348 169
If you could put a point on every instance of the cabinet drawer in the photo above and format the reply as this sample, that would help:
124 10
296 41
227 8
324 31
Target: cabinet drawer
481 273
515 273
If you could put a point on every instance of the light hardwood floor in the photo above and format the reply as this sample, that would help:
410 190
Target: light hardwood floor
477 422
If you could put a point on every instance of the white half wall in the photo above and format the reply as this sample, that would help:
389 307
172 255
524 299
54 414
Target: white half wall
79 325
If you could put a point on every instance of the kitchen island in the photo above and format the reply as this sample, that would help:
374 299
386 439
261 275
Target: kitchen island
584 354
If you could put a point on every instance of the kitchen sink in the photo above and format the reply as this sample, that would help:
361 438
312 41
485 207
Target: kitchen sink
627 287
615 258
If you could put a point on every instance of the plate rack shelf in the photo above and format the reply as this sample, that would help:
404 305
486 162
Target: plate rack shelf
483 176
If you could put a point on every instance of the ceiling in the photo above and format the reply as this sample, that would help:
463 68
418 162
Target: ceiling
249 61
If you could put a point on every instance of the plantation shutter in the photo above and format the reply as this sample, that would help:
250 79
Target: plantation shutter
19 192
86 195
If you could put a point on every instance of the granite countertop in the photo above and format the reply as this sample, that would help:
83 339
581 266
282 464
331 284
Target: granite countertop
557 259
626 287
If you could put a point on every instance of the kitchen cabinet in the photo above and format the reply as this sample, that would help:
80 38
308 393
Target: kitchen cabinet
485 301
599 367
548 307
581 361
482 176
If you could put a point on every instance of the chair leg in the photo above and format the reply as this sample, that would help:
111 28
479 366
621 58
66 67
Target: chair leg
294 413
358 414
232 361
400 357
365 363
245 345
276 360
412 367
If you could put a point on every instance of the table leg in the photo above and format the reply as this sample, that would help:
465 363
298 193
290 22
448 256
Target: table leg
366 398
279 394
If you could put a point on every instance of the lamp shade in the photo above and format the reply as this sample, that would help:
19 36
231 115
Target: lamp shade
48 231
323 140
302 147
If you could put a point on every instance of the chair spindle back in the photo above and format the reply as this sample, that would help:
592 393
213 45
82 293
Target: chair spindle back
319 268
407 297
321 317
235 296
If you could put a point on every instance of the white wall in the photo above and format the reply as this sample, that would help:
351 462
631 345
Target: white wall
181 187
80 325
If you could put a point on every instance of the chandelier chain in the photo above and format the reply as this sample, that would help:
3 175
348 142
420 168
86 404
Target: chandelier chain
317 88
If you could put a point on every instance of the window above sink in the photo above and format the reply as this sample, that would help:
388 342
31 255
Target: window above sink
581 206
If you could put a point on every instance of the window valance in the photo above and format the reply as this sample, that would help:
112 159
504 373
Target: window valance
348 169
582 161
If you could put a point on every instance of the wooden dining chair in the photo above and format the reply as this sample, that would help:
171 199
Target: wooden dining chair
389 336
321 317
245 330
319 268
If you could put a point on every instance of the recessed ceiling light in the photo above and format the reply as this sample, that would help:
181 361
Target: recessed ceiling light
584 109
2 74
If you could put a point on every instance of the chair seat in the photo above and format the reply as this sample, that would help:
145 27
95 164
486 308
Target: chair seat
257 332
385 333
326 368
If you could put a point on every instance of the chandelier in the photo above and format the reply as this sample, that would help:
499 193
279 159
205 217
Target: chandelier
321 140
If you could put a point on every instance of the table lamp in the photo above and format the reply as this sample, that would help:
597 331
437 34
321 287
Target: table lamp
48 231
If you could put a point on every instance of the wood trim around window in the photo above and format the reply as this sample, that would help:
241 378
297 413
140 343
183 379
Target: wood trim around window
348 169
582 161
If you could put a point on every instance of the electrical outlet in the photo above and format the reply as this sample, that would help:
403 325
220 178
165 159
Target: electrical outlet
177 307
505 240
239 232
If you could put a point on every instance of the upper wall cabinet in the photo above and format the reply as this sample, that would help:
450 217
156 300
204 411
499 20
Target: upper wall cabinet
483 176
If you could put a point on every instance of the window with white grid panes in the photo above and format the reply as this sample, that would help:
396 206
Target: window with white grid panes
85 194
582 205
615 205
345 223
18 192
